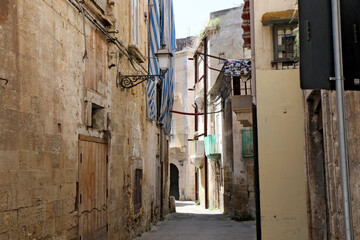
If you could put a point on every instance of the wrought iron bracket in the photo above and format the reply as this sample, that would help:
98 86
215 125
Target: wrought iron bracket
130 81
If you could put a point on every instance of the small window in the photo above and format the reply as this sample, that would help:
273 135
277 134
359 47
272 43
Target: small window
135 22
284 44
137 190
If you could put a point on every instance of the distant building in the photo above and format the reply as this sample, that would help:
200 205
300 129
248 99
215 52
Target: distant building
182 172
225 179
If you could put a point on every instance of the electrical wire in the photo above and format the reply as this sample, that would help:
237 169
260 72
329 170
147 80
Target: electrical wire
84 29
115 41
195 114
103 208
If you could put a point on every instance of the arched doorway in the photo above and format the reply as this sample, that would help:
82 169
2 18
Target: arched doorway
174 181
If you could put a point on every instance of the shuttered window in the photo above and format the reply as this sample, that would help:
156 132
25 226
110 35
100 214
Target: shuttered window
137 190
247 146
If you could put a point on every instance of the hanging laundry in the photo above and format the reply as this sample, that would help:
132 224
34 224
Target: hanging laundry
237 68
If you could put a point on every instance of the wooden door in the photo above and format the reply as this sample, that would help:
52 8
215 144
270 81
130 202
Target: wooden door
93 192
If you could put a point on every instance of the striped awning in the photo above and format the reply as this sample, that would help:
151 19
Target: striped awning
153 65
162 30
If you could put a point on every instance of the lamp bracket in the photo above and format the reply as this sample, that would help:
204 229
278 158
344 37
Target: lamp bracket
130 81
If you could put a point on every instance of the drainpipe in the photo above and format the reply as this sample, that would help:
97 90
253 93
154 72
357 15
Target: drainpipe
205 118
340 101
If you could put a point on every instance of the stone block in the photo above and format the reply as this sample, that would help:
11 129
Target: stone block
48 228
31 215
4 200
9 160
26 197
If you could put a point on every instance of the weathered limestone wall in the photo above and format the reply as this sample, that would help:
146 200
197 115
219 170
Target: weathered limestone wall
44 110
227 156
326 212
243 202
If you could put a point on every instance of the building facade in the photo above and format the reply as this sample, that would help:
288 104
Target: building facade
79 156
280 113
225 177
182 172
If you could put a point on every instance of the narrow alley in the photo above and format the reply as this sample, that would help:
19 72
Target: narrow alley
193 222
241 115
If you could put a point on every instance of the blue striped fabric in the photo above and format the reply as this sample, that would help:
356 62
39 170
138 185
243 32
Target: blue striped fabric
168 37
153 65
162 32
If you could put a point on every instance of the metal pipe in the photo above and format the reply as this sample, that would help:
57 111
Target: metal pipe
186 113
340 101
205 118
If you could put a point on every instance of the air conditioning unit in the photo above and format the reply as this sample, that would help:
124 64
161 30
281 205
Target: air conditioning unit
197 151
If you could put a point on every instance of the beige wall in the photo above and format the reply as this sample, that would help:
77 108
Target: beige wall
281 155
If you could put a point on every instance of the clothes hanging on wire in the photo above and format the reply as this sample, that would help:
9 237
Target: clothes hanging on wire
237 68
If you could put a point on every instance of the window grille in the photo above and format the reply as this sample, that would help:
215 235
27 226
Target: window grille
284 45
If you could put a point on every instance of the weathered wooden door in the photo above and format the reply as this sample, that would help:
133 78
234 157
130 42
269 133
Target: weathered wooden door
93 192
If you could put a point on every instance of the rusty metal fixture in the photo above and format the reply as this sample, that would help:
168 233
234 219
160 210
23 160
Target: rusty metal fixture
130 81
3 79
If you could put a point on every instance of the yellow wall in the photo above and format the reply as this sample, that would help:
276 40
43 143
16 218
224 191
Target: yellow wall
281 155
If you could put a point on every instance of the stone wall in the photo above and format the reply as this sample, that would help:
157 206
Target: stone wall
45 107
323 168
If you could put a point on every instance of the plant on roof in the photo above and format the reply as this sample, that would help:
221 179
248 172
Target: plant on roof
213 26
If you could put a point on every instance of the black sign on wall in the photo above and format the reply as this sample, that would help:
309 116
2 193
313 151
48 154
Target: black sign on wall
316 45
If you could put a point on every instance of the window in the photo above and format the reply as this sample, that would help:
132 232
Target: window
137 190
135 22
284 44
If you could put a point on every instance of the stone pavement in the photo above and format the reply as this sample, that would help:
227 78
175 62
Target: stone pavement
193 222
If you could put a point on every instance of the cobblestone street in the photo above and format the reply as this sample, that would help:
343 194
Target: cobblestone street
194 222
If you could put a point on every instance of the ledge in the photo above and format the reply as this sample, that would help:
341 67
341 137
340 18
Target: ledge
137 53
99 14
272 18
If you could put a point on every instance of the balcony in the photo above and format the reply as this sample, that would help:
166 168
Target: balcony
212 147
242 101
242 106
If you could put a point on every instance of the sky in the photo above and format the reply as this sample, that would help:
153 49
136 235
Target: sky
192 15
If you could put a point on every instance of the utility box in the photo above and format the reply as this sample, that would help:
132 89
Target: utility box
316 44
